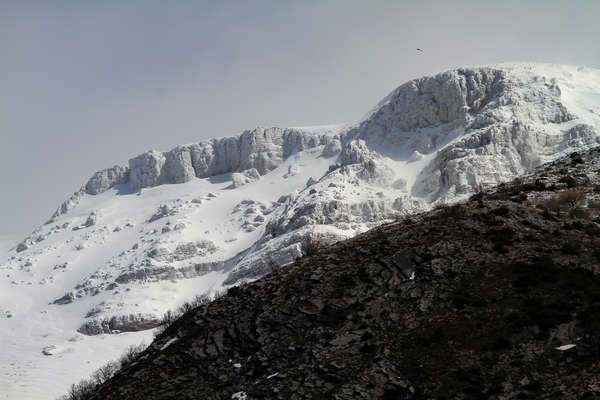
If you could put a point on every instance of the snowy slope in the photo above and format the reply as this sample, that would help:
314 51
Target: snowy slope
140 239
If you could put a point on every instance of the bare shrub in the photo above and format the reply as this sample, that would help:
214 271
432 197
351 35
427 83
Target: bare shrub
105 372
193 304
131 353
85 388
171 316
81 390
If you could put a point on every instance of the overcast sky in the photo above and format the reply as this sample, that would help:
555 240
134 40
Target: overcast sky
85 85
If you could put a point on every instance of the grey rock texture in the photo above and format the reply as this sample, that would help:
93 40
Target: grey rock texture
163 210
183 251
67 205
119 323
356 152
22 247
147 170
243 178
91 220
178 166
107 178
499 124
66 299
435 100
156 273
261 149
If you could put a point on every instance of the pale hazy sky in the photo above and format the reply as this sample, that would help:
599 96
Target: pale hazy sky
85 85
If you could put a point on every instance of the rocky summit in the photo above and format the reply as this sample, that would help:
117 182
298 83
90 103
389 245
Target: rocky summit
496 297
139 239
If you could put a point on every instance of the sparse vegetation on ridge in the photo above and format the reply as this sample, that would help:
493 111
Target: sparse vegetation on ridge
492 298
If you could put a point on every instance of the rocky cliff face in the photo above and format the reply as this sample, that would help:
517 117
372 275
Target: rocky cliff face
481 127
507 119
261 149
494 298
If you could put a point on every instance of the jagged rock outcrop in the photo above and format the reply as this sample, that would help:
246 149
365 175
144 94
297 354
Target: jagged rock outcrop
486 124
164 210
91 220
183 251
178 165
261 149
356 152
107 178
67 205
146 170
147 272
119 323
242 178
433 101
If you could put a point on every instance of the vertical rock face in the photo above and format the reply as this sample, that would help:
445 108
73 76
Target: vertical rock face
484 126
146 170
435 100
178 166
262 149
107 178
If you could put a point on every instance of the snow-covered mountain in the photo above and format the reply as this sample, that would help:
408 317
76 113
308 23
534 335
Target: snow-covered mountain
138 240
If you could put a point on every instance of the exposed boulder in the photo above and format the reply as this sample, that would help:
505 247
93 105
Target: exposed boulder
91 219
22 247
66 299
49 350
243 178
163 211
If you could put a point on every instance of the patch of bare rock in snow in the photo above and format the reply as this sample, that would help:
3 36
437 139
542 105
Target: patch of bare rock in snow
244 177
239 396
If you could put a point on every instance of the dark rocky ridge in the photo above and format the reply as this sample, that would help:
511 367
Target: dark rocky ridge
466 301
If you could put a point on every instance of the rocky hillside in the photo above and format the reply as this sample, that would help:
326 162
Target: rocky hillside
494 298
142 238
